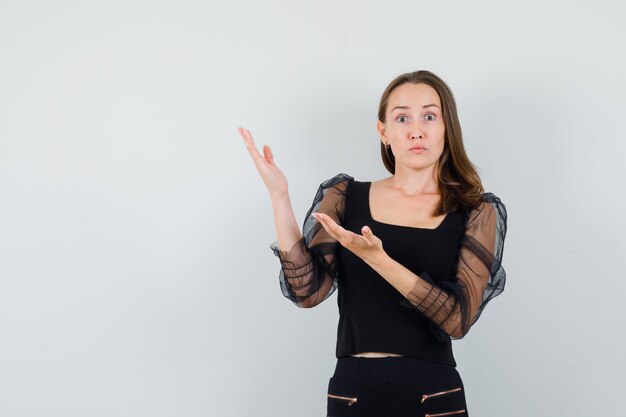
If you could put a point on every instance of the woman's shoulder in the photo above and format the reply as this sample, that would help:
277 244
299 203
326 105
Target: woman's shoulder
491 202
337 185
487 200
342 176
340 180
490 197
490 207
339 177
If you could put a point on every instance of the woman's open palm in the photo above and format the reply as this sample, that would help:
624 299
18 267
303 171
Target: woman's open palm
274 179
366 246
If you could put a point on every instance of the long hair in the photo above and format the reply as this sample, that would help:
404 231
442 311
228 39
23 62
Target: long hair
457 178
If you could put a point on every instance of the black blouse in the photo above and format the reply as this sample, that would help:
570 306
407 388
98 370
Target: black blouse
459 263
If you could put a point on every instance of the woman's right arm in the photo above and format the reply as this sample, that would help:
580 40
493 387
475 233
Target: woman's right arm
286 225
308 259
287 230
309 267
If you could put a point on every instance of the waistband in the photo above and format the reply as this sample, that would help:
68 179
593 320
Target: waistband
389 369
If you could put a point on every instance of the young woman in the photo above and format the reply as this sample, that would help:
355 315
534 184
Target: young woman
415 257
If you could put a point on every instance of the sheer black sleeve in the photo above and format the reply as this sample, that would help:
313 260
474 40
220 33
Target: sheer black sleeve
309 268
454 306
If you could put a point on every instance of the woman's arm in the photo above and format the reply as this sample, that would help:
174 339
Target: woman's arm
438 305
286 225
454 306
309 265
287 229
299 277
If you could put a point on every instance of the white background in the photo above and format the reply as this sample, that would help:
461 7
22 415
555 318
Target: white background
136 277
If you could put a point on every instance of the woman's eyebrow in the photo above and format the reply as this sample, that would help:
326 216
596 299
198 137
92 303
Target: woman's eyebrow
407 107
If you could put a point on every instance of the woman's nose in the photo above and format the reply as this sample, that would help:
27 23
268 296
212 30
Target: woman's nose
416 131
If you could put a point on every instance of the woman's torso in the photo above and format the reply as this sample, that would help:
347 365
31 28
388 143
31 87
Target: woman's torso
405 226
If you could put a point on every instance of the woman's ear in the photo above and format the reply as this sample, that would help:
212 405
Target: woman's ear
381 130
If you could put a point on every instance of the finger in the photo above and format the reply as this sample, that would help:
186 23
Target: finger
368 234
247 137
245 134
269 156
334 229
325 223
252 150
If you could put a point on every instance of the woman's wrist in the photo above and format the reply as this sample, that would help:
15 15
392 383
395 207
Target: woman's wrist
377 259
280 199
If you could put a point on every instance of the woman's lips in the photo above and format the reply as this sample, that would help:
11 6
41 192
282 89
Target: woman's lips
417 150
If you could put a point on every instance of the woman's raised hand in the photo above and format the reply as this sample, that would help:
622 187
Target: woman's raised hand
273 177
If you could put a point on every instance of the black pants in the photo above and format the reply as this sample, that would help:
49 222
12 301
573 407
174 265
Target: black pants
398 386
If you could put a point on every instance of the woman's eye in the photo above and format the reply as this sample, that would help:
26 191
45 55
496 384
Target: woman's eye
400 117
433 116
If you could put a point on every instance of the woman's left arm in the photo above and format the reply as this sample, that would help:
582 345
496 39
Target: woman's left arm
442 307
454 306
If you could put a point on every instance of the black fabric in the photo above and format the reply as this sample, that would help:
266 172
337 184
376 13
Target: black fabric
372 315
458 262
394 387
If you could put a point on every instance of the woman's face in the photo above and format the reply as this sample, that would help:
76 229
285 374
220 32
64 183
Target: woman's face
414 118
